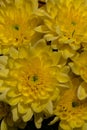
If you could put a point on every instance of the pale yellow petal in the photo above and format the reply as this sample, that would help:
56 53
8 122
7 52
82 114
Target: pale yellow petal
26 117
22 108
54 121
13 53
14 101
84 127
62 78
3 71
3 60
4 125
49 108
37 108
50 37
41 29
64 125
38 120
12 93
82 92
15 114
1 82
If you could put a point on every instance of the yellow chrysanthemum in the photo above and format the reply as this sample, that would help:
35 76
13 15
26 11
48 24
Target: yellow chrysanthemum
65 23
32 81
17 22
71 111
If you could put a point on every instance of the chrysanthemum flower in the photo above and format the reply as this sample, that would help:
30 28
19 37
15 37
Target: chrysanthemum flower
17 22
32 82
64 21
71 111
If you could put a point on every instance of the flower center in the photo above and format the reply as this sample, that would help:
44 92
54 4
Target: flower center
35 78
73 23
16 27
75 104
70 104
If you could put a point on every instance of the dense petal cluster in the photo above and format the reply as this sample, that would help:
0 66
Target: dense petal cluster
43 63
33 80
70 109
64 23
17 22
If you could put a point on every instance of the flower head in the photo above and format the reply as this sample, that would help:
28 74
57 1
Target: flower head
71 111
64 21
33 80
17 22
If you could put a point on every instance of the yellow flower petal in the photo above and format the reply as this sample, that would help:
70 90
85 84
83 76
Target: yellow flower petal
82 91
15 114
14 101
22 109
49 108
3 71
54 121
41 29
38 120
28 115
3 125
12 93
84 126
65 125
13 53
3 60
36 108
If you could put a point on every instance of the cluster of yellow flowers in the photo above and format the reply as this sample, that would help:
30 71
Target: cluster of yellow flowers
43 63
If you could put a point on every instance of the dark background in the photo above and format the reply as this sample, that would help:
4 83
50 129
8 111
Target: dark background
45 126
